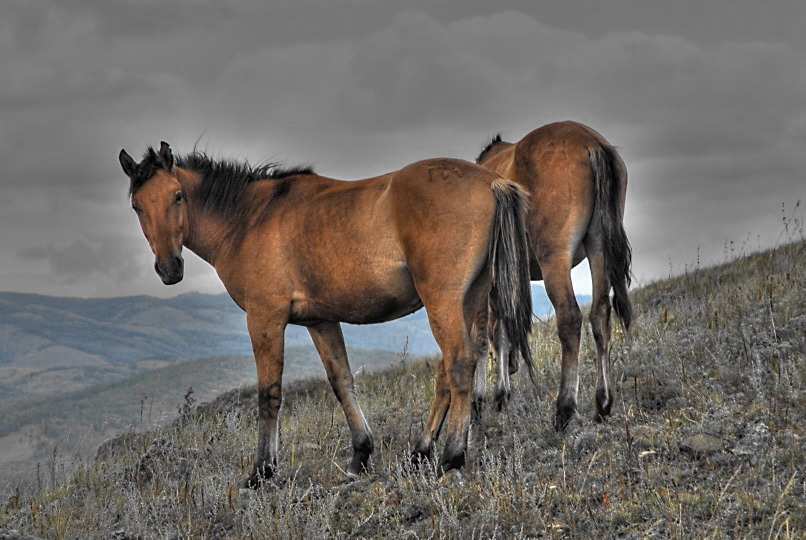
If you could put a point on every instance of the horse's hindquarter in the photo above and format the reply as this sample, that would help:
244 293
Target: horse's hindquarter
444 211
553 165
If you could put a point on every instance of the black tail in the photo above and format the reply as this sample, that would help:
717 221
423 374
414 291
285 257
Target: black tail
509 255
610 179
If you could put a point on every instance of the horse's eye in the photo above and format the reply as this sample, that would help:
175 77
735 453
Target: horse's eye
178 197
136 208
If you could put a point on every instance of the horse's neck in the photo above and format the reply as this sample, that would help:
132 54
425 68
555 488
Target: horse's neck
500 157
205 235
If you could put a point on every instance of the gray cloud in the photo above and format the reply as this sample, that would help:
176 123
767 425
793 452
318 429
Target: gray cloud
87 257
710 118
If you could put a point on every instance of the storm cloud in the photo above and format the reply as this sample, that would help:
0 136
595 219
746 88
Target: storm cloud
707 107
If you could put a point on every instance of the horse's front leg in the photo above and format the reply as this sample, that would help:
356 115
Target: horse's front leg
329 342
267 333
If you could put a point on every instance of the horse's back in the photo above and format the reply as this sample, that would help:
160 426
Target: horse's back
428 189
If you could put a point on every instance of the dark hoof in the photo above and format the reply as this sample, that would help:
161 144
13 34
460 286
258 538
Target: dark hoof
362 449
604 403
421 454
566 410
477 410
501 399
452 458
358 465
259 476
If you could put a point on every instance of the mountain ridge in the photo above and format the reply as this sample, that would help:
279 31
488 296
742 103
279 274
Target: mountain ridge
102 339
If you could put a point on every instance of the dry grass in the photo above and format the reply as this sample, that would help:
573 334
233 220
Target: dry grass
705 440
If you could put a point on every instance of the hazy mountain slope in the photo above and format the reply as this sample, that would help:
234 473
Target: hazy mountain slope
32 429
54 345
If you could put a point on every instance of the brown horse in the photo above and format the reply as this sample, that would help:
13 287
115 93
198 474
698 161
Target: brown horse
577 184
293 247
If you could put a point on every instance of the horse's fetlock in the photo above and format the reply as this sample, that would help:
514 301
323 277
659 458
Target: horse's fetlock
363 442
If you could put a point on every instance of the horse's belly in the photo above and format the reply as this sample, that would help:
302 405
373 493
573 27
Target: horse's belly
364 299
369 309
382 309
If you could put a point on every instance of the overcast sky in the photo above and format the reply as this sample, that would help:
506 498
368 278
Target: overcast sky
705 100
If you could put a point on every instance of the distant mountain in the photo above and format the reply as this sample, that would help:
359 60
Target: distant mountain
59 344
34 429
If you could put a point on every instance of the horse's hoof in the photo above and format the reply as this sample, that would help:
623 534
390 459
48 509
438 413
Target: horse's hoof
566 410
253 482
452 477
452 458
501 400
350 477
421 454
258 477
354 470
360 462
604 404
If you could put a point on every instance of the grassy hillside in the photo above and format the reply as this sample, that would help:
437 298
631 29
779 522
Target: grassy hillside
72 425
706 440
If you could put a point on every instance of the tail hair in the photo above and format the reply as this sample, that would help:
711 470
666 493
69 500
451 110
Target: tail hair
610 179
509 255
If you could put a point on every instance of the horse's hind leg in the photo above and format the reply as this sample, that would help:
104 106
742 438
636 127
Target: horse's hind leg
502 350
479 336
600 324
556 272
452 325
424 448
329 342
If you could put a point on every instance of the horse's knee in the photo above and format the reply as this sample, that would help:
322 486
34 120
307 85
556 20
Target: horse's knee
599 318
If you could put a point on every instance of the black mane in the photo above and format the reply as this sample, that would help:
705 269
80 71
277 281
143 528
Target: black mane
495 140
222 180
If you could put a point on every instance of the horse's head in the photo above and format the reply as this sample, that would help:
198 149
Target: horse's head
157 198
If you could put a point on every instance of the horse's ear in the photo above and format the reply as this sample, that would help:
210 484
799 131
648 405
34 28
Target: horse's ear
128 164
166 156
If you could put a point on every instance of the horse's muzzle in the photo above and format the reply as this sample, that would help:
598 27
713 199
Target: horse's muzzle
170 271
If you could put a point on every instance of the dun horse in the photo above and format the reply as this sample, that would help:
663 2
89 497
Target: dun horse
293 247
577 184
